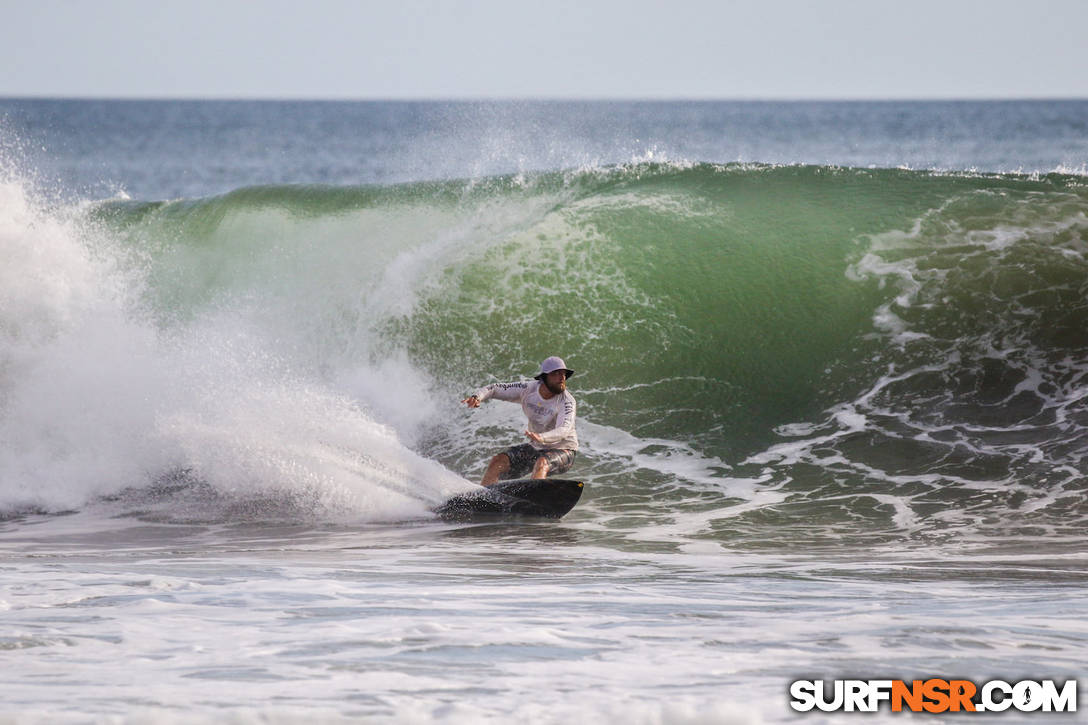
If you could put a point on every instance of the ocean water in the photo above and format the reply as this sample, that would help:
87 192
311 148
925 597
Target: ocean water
832 381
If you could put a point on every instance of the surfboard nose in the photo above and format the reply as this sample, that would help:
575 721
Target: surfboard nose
546 497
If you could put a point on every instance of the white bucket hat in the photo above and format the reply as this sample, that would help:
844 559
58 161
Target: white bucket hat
551 365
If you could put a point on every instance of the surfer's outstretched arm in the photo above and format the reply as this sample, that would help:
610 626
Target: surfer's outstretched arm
510 392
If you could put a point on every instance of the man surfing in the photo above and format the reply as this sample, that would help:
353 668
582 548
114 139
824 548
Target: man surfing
550 408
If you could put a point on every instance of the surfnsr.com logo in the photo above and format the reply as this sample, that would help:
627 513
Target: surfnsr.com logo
933 695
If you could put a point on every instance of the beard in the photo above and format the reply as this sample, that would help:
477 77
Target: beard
554 389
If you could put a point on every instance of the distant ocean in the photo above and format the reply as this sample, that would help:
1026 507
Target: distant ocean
832 376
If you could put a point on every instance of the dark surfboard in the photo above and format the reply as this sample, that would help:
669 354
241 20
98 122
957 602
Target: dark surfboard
545 497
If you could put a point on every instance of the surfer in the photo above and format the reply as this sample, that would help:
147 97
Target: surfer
550 408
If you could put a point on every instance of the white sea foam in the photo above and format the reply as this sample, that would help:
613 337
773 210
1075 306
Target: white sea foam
96 398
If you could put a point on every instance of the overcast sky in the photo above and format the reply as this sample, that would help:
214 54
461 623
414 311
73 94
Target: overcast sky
759 49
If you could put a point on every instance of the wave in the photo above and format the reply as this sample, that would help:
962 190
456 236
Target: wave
899 347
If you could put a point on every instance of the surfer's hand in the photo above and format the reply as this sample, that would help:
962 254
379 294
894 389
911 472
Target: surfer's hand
535 437
472 401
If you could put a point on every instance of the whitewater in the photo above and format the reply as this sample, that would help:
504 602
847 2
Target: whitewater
832 364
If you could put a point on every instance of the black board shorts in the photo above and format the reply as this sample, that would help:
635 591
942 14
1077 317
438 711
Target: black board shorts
523 458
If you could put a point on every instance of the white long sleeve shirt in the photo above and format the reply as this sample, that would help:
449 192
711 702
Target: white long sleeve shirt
552 419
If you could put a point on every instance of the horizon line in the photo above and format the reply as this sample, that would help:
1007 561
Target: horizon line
538 99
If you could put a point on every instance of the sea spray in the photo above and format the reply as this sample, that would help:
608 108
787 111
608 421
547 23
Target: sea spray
100 395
